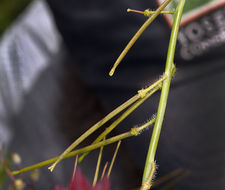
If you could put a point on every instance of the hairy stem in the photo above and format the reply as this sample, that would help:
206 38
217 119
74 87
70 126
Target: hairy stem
132 132
121 118
148 13
165 91
94 128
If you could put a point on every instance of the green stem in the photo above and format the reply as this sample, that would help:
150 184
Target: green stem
98 166
148 13
137 35
165 91
147 184
132 132
140 95
113 159
94 128
121 118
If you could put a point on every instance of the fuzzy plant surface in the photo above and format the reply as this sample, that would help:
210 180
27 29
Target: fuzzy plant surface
130 105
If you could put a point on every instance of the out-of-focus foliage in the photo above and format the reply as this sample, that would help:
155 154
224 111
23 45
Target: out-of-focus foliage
3 175
9 10
192 4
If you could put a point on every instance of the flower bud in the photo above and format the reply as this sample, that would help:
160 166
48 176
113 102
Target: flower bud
19 184
34 176
16 158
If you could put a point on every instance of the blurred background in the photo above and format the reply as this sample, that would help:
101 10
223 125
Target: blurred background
49 99
54 84
9 11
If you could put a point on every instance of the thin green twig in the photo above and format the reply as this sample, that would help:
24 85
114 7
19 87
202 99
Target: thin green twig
148 13
132 132
137 35
141 94
98 166
144 94
103 171
122 117
165 91
94 128
113 159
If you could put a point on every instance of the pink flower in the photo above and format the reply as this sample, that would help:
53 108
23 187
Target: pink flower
79 182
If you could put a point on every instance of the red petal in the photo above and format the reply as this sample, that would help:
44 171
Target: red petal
79 182
103 185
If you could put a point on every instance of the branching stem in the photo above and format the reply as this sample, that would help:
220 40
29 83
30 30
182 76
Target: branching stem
132 132
122 117
107 118
165 91
94 128
137 35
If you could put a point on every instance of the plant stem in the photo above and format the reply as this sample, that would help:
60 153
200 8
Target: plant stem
113 159
141 94
103 171
138 34
147 184
148 12
132 132
121 118
165 91
94 128
98 166
75 167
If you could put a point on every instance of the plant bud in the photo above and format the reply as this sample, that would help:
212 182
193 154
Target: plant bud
34 176
16 158
19 184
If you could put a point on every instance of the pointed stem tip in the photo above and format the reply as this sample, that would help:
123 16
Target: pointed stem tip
135 11
51 168
111 72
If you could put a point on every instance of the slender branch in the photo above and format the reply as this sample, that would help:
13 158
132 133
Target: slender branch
103 171
141 94
148 13
165 91
98 166
137 35
144 94
121 118
75 167
94 128
113 159
132 132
